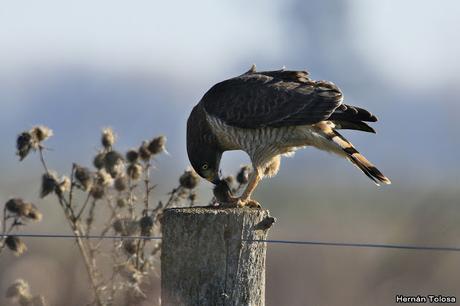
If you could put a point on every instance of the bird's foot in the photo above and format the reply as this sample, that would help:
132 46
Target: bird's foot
251 203
238 202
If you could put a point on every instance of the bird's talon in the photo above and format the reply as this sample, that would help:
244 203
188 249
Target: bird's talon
232 204
235 202
240 203
253 204
249 203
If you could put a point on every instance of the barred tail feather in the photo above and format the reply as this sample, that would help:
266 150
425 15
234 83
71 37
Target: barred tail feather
357 158
368 168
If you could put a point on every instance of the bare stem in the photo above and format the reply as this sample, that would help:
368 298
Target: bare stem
138 253
172 197
76 228
147 183
90 218
107 227
2 239
130 198
42 159
4 222
83 207
72 184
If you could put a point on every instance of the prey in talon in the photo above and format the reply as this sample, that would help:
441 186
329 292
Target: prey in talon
225 198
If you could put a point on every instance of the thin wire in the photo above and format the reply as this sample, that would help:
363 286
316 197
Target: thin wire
295 242
83 236
360 245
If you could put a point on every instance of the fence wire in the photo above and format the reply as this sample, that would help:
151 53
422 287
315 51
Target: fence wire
270 241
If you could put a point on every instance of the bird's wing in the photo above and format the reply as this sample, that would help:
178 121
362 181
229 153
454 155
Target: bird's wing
272 99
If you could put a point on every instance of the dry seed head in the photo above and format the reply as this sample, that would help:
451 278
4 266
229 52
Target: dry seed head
27 141
25 301
24 143
157 145
130 272
20 288
243 175
15 205
98 160
16 245
23 209
64 184
113 163
103 178
132 156
30 211
125 226
121 202
121 183
130 246
97 192
108 138
49 184
136 277
134 171
117 170
144 152
84 177
146 224
39 300
41 133
34 214
189 179
119 225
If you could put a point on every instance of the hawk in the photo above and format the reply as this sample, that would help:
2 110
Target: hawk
269 114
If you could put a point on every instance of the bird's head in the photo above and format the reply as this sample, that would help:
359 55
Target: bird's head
206 162
203 148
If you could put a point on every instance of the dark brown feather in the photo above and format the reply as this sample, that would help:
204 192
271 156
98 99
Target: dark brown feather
272 99
353 125
352 113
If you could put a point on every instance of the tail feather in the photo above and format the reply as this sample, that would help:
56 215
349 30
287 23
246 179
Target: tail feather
353 125
357 158
369 169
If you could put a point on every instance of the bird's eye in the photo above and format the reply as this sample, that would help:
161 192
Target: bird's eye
204 167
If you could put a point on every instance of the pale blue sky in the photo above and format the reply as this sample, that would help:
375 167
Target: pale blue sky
166 35
414 42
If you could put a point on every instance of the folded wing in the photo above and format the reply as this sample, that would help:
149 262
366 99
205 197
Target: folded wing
272 99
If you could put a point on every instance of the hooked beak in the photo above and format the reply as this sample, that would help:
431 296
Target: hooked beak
212 177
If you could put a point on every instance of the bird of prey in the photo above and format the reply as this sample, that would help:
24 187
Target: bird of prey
269 114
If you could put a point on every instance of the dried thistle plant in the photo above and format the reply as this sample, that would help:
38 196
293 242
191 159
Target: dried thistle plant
117 201
19 292
16 213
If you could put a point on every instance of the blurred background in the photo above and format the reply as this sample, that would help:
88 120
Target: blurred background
139 67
